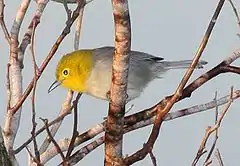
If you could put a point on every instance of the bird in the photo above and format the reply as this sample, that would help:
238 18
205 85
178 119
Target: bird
89 71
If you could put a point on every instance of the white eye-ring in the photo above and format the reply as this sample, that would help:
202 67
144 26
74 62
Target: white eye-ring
65 72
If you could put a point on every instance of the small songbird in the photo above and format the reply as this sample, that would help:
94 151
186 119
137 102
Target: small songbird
90 71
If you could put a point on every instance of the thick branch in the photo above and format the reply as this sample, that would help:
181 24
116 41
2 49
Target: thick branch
15 79
115 119
4 158
96 130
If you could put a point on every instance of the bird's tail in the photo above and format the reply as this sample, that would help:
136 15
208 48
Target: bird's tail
181 64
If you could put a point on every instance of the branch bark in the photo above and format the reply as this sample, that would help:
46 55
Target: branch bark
15 79
115 119
4 158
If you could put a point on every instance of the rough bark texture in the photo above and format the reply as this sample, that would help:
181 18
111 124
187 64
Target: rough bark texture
4 158
115 120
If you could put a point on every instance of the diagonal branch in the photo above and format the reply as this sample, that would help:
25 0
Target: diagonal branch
148 114
235 12
94 131
53 50
165 106
2 22
210 130
45 121
66 110
215 71
41 5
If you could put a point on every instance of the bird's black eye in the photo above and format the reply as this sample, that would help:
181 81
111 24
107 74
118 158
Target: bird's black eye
65 72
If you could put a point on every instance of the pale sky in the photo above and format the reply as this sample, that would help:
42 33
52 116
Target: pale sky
169 29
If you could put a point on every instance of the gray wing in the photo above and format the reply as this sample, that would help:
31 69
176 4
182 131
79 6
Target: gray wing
140 71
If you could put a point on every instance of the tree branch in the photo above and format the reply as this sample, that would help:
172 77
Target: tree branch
2 22
53 50
115 119
4 158
165 106
15 79
210 130
96 130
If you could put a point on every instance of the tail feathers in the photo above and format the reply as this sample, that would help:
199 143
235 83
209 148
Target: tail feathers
182 64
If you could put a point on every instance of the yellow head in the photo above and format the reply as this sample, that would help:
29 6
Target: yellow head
73 70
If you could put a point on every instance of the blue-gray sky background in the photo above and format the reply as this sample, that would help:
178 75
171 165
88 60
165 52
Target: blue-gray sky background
169 29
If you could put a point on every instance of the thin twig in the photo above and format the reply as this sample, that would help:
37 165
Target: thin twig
59 118
235 12
45 121
219 158
41 5
210 130
52 52
153 158
2 22
68 11
66 108
167 104
207 160
99 128
75 132
34 124
32 157
81 153
148 114
96 130
187 92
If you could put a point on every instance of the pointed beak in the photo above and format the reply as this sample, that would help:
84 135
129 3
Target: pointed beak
54 85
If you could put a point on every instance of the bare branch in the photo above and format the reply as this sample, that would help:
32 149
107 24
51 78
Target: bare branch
146 117
78 29
45 121
15 79
53 50
2 22
75 132
116 112
96 130
207 160
66 110
55 121
34 124
219 158
153 158
215 71
80 154
4 158
41 4
210 130
235 12
32 158
99 128
164 107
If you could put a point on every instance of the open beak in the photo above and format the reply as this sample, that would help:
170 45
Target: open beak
54 85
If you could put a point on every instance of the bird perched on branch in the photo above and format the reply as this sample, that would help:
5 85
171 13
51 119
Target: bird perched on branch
90 71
